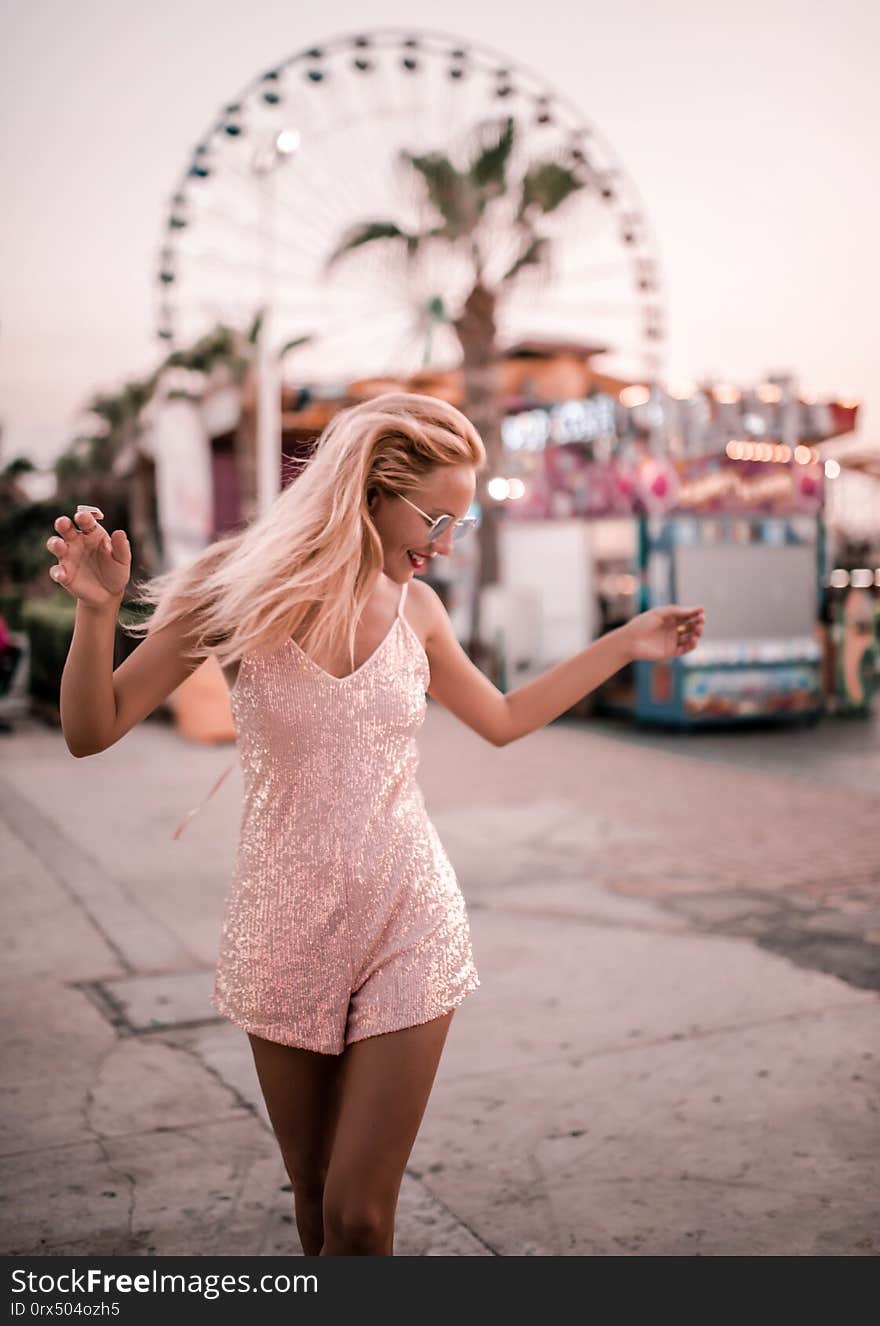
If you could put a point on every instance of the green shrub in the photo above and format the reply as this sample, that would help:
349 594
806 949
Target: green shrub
11 604
48 623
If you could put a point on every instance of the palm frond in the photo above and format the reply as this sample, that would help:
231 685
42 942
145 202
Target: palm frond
253 332
137 395
293 345
106 408
367 232
488 170
546 186
533 254
220 345
449 191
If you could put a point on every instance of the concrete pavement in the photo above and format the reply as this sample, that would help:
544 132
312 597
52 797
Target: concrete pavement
674 1050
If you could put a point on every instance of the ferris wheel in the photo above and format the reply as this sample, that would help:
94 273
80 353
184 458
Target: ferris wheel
324 143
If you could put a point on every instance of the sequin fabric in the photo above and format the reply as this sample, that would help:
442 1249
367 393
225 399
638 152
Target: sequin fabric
344 917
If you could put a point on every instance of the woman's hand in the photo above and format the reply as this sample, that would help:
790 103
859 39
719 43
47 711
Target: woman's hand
663 633
93 565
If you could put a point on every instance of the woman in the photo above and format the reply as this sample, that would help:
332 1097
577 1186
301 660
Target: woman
345 944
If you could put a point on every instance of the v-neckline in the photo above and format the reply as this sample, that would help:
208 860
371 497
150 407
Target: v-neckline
367 661
398 616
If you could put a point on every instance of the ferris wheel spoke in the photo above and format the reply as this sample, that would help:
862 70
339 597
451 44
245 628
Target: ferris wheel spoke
245 178
256 264
357 126
336 335
611 271
277 205
405 353
253 234
620 309
323 304
301 264
344 331
327 222
354 321
312 188
321 127
249 241
412 91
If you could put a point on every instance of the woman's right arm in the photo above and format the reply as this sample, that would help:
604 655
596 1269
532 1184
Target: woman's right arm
98 705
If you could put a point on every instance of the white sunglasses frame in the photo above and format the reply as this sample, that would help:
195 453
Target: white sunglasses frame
465 523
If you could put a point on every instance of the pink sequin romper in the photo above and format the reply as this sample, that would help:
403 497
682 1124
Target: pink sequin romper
344 918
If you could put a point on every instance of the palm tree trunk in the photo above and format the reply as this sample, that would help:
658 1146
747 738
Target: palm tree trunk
246 449
482 404
142 514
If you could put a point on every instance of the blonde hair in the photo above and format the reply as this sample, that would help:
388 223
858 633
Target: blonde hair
305 567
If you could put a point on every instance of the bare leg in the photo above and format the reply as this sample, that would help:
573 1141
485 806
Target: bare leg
386 1081
301 1091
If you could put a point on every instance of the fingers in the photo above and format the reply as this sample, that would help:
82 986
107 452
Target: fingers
83 522
66 528
95 537
689 628
119 546
57 544
71 534
689 623
86 523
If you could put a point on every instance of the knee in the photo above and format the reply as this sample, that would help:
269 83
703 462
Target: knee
358 1224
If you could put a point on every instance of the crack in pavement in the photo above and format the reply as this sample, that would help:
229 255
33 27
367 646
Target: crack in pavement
701 1033
101 1140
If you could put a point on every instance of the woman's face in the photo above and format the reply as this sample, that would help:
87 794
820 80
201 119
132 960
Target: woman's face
446 490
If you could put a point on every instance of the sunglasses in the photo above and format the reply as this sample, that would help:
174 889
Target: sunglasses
441 524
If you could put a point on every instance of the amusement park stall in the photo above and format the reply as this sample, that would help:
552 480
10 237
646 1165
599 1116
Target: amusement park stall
745 540
611 524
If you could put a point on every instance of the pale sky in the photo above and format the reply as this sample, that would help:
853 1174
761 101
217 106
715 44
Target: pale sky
749 130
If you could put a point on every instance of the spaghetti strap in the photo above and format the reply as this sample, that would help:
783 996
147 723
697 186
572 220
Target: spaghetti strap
402 598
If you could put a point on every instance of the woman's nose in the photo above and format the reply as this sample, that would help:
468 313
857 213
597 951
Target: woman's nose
443 544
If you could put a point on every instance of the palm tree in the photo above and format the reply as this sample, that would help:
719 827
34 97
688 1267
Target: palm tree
226 348
462 203
227 352
223 353
92 464
116 451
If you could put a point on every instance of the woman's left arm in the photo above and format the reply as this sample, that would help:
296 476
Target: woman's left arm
462 688
658 634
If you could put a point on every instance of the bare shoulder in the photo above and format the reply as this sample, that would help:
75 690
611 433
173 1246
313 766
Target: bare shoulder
425 610
456 683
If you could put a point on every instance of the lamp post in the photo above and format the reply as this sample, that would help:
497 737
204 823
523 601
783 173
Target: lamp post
269 399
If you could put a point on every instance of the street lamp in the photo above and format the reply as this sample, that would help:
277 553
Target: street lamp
269 400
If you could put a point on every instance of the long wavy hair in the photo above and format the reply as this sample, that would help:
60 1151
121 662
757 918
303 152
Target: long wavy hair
304 568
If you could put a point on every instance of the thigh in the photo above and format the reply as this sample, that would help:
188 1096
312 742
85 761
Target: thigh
385 1085
301 1091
